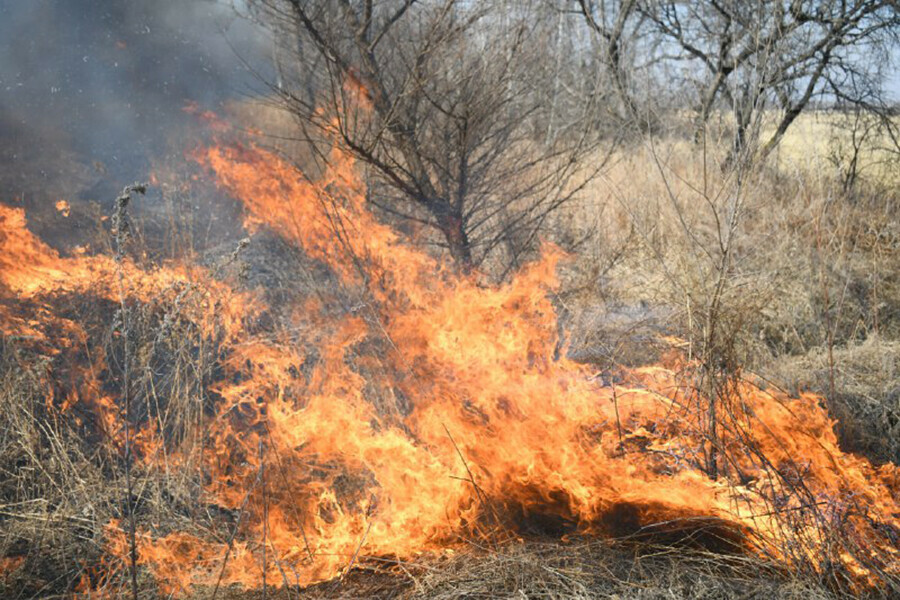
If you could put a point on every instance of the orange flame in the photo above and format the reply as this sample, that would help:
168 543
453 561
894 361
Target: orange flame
437 407
443 409
31 272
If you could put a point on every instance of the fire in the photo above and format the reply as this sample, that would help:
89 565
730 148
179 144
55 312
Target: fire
9 565
436 408
448 405
32 274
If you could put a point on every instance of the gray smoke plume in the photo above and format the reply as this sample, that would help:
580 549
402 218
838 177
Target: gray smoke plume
92 91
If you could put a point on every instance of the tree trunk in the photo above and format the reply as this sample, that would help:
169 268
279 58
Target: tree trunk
452 226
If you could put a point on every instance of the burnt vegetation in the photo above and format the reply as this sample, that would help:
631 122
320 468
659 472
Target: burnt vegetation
537 299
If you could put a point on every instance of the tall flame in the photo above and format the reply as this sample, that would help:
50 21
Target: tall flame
444 408
438 408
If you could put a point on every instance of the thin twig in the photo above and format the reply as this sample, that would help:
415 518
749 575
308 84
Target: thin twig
122 231
356 552
234 533
265 499
482 497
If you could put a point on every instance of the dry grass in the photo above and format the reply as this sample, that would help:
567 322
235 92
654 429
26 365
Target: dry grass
867 392
574 570
824 142
811 299
53 498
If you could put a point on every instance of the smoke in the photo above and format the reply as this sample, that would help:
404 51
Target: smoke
92 91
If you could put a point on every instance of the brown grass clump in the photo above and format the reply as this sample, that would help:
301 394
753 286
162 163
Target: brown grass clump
575 570
54 497
806 292
866 400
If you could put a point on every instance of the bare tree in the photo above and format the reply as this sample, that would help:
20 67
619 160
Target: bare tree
439 100
765 61
771 56
615 26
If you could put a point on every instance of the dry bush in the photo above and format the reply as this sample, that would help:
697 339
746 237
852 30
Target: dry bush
867 392
63 461
54 491
812 273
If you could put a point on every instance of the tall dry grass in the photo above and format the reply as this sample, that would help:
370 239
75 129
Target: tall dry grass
774 269
801 274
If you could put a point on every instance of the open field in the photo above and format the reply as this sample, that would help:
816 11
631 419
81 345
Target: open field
825 141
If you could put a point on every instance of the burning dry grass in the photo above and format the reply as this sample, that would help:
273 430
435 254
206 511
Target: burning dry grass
866 379
813 285
394 420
